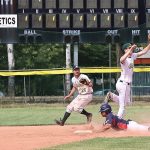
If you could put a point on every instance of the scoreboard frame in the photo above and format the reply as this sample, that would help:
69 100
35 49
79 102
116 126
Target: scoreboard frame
87 10
97 21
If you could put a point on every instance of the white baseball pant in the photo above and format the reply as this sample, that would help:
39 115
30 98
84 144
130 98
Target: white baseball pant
134 126
124 97
79 103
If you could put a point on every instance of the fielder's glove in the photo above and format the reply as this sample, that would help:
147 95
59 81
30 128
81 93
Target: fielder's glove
83 81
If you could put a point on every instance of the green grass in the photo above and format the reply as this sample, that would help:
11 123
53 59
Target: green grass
44 114
130 143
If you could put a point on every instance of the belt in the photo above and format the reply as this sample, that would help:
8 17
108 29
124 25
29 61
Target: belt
86 94
125 82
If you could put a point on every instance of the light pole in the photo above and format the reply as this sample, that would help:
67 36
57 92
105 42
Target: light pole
8 4
68 64
76 47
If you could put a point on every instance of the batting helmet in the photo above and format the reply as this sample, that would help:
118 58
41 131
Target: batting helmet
105 108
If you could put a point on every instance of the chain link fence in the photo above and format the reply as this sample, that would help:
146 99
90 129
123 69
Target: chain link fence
48 88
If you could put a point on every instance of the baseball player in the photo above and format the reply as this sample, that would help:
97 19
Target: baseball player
112 121
123 85
83 85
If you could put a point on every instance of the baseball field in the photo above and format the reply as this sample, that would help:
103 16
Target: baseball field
31 126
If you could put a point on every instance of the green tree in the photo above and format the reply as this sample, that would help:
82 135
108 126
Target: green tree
41 56
96 55
48 56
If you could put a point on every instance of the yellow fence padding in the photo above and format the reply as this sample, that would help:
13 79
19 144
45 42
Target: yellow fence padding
68 71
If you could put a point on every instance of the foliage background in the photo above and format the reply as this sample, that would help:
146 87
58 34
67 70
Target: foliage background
48 56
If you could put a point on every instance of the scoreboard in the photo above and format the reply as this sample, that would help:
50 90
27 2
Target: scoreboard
86 15
51 20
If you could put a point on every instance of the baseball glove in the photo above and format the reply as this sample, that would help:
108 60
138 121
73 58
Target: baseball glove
83 81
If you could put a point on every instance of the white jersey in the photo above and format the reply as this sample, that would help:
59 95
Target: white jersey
82 89
127 68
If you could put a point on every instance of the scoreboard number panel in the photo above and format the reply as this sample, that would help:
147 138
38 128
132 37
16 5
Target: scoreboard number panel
37 20
105 3
77 4
105 20
147 3
133 3
132 20
119 3
119 20
23 4
50 20
148 20
91 4
64 4
23 21
91 20
50 4
64 21
37 4
78 20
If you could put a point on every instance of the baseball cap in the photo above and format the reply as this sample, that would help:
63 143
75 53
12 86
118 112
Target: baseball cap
75 67
125 46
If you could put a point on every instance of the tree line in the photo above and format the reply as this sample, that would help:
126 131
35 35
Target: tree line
48 56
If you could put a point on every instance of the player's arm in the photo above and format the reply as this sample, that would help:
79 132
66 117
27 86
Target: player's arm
124 57
105 127
146 49
71 93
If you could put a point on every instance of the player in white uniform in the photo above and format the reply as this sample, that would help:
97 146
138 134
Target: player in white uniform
82 100
123 85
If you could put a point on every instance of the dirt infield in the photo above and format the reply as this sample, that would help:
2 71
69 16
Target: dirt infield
36 137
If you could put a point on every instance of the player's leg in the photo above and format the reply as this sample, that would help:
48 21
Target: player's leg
122 89
69 110
134 126
108 97
121 110
88 115
61 122
128 95
83 101
111 97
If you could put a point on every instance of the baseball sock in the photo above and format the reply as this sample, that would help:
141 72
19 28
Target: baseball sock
84 112
66 115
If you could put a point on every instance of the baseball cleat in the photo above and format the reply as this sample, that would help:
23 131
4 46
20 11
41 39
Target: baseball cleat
108 98
59 122
89 118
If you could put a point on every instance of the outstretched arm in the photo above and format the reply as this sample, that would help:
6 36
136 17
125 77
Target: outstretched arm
71 93
105 127
124 57
146 49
